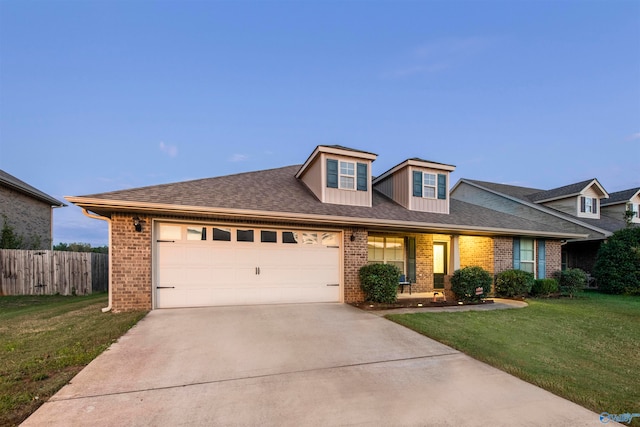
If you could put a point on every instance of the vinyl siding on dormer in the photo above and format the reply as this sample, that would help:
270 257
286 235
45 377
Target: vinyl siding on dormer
423 204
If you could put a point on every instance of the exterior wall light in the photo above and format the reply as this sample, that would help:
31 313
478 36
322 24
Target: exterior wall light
137 224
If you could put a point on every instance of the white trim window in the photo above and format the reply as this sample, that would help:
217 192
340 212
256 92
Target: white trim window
386 250
347 175
527 255
429 183
635 208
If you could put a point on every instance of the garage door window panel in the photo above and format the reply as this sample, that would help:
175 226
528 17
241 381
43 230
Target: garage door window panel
289 237
310 238
170 232
196 233
221 234
244 235
267 236
330 239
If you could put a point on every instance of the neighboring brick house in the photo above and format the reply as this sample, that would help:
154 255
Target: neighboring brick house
584 208
301 233
28 211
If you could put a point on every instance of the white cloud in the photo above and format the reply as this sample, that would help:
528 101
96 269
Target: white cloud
170 150
238 158
451 47
634 136
440 55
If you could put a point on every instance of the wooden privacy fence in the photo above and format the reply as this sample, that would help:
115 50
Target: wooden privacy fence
25 272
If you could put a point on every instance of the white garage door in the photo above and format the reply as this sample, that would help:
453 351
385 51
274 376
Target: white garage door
220 265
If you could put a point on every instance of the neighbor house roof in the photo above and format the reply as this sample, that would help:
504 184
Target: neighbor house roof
566 191
530 197
276 194
14 183
620 196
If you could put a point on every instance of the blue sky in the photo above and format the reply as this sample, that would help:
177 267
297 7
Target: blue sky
105 95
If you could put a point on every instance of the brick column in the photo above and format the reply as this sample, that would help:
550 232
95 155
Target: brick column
131 263
355 256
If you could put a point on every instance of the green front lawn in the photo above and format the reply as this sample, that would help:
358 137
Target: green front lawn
585 349
45 341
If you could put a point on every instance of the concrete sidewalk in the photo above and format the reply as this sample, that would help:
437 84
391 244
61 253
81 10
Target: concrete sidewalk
294 365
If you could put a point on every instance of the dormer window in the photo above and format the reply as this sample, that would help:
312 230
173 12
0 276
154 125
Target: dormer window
347 175
588 205
429 185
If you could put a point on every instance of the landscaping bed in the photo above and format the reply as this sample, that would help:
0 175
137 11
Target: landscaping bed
415 303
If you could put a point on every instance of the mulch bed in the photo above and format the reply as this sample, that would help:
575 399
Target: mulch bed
414 303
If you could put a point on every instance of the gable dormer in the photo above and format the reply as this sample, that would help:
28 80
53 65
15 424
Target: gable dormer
418 185
581 199
621 202
339 175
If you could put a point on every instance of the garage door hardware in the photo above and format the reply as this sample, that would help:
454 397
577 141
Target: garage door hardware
165 241
165 287
258 270
333 284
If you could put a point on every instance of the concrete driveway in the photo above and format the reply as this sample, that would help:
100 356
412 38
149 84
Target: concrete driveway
293 365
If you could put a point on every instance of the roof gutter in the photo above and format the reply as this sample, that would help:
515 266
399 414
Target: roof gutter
104 218
119 205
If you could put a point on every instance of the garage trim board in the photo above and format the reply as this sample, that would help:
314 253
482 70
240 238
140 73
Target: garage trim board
201 265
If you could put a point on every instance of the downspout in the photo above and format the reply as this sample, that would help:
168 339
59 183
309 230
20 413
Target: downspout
104 218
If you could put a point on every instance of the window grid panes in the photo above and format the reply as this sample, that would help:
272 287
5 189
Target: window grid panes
527 255
429 182
347 175
386 250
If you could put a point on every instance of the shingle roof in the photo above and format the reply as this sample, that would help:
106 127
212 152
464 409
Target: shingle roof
560 192
620 196
21 186
510 190
532 195
277 190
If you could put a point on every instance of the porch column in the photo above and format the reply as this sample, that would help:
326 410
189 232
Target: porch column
454 256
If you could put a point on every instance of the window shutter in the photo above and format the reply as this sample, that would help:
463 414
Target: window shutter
516 253
332 173
595 205
362 177
582 204
417 184
442 186
411 259
542 259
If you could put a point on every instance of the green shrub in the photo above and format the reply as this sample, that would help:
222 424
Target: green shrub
571 281
465 281
512 283
544 287
380 282
617 267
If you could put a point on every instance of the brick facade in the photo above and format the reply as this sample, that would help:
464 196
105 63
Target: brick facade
424 263
553 257
355 256
477 251
30 218
131 264
502 254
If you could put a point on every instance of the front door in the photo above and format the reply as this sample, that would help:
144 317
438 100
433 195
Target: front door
439 264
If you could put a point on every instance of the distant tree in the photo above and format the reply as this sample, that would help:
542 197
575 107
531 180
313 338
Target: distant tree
617 267
80 247
9 239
